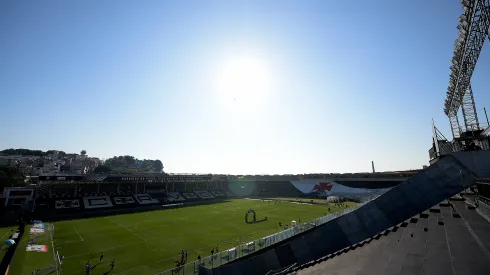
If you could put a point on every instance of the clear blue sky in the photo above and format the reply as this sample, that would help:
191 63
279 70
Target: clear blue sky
231 86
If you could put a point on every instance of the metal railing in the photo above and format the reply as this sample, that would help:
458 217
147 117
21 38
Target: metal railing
243 250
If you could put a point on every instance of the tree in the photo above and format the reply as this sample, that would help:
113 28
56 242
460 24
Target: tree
102 169
158 165
83 153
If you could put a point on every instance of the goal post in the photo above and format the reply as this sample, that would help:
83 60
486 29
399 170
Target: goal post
46 239
56 255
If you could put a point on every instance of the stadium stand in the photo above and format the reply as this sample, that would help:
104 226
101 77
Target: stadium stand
217 193
93 202
204 194
190 195
67 204
276 189
175 197
413 199
123 200
242 188
145 199
60 194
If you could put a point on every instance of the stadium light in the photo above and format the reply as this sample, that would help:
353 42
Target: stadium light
466 3
462 26
463 18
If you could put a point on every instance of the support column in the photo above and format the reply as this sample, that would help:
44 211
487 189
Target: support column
469 111
454 123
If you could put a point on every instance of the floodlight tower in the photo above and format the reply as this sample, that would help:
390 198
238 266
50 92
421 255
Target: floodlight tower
473 29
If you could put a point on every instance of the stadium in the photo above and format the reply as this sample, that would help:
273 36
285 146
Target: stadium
81 217
77 218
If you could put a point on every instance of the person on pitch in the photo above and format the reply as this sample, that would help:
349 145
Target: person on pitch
101 257
112 264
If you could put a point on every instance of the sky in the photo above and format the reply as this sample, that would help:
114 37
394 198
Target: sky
240 87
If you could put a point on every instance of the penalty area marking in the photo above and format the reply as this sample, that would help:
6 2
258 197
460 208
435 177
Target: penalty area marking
78 233
129 230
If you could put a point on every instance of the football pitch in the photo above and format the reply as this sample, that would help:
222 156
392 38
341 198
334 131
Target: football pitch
5 233
151 242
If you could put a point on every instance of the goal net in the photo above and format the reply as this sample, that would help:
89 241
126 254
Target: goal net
41 236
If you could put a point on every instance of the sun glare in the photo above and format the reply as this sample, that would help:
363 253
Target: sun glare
243 82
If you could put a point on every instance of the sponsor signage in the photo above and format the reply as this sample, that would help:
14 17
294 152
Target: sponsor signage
145 199
65 204
36 248
204 194
35 231
123 200
97 202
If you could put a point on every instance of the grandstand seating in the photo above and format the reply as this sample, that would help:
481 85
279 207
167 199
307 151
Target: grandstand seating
217 193
94 202
190 195
67 204
145 199
123 200
204 194
276 189
247 188
242 188
175 197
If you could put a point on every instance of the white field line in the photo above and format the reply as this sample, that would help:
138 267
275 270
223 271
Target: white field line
195 251
10 230
65 243
140 266
130 231
233 208
78 233
101 250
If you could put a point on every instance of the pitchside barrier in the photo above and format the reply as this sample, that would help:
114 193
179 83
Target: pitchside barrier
243 250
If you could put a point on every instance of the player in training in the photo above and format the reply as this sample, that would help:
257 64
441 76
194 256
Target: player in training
112 264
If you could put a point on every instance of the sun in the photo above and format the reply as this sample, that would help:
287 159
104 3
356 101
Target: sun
244 81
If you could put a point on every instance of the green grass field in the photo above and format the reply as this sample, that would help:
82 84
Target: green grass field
150 242
5 233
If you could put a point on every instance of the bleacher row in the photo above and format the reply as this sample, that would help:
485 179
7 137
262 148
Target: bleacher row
198 194
95 202
64 202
